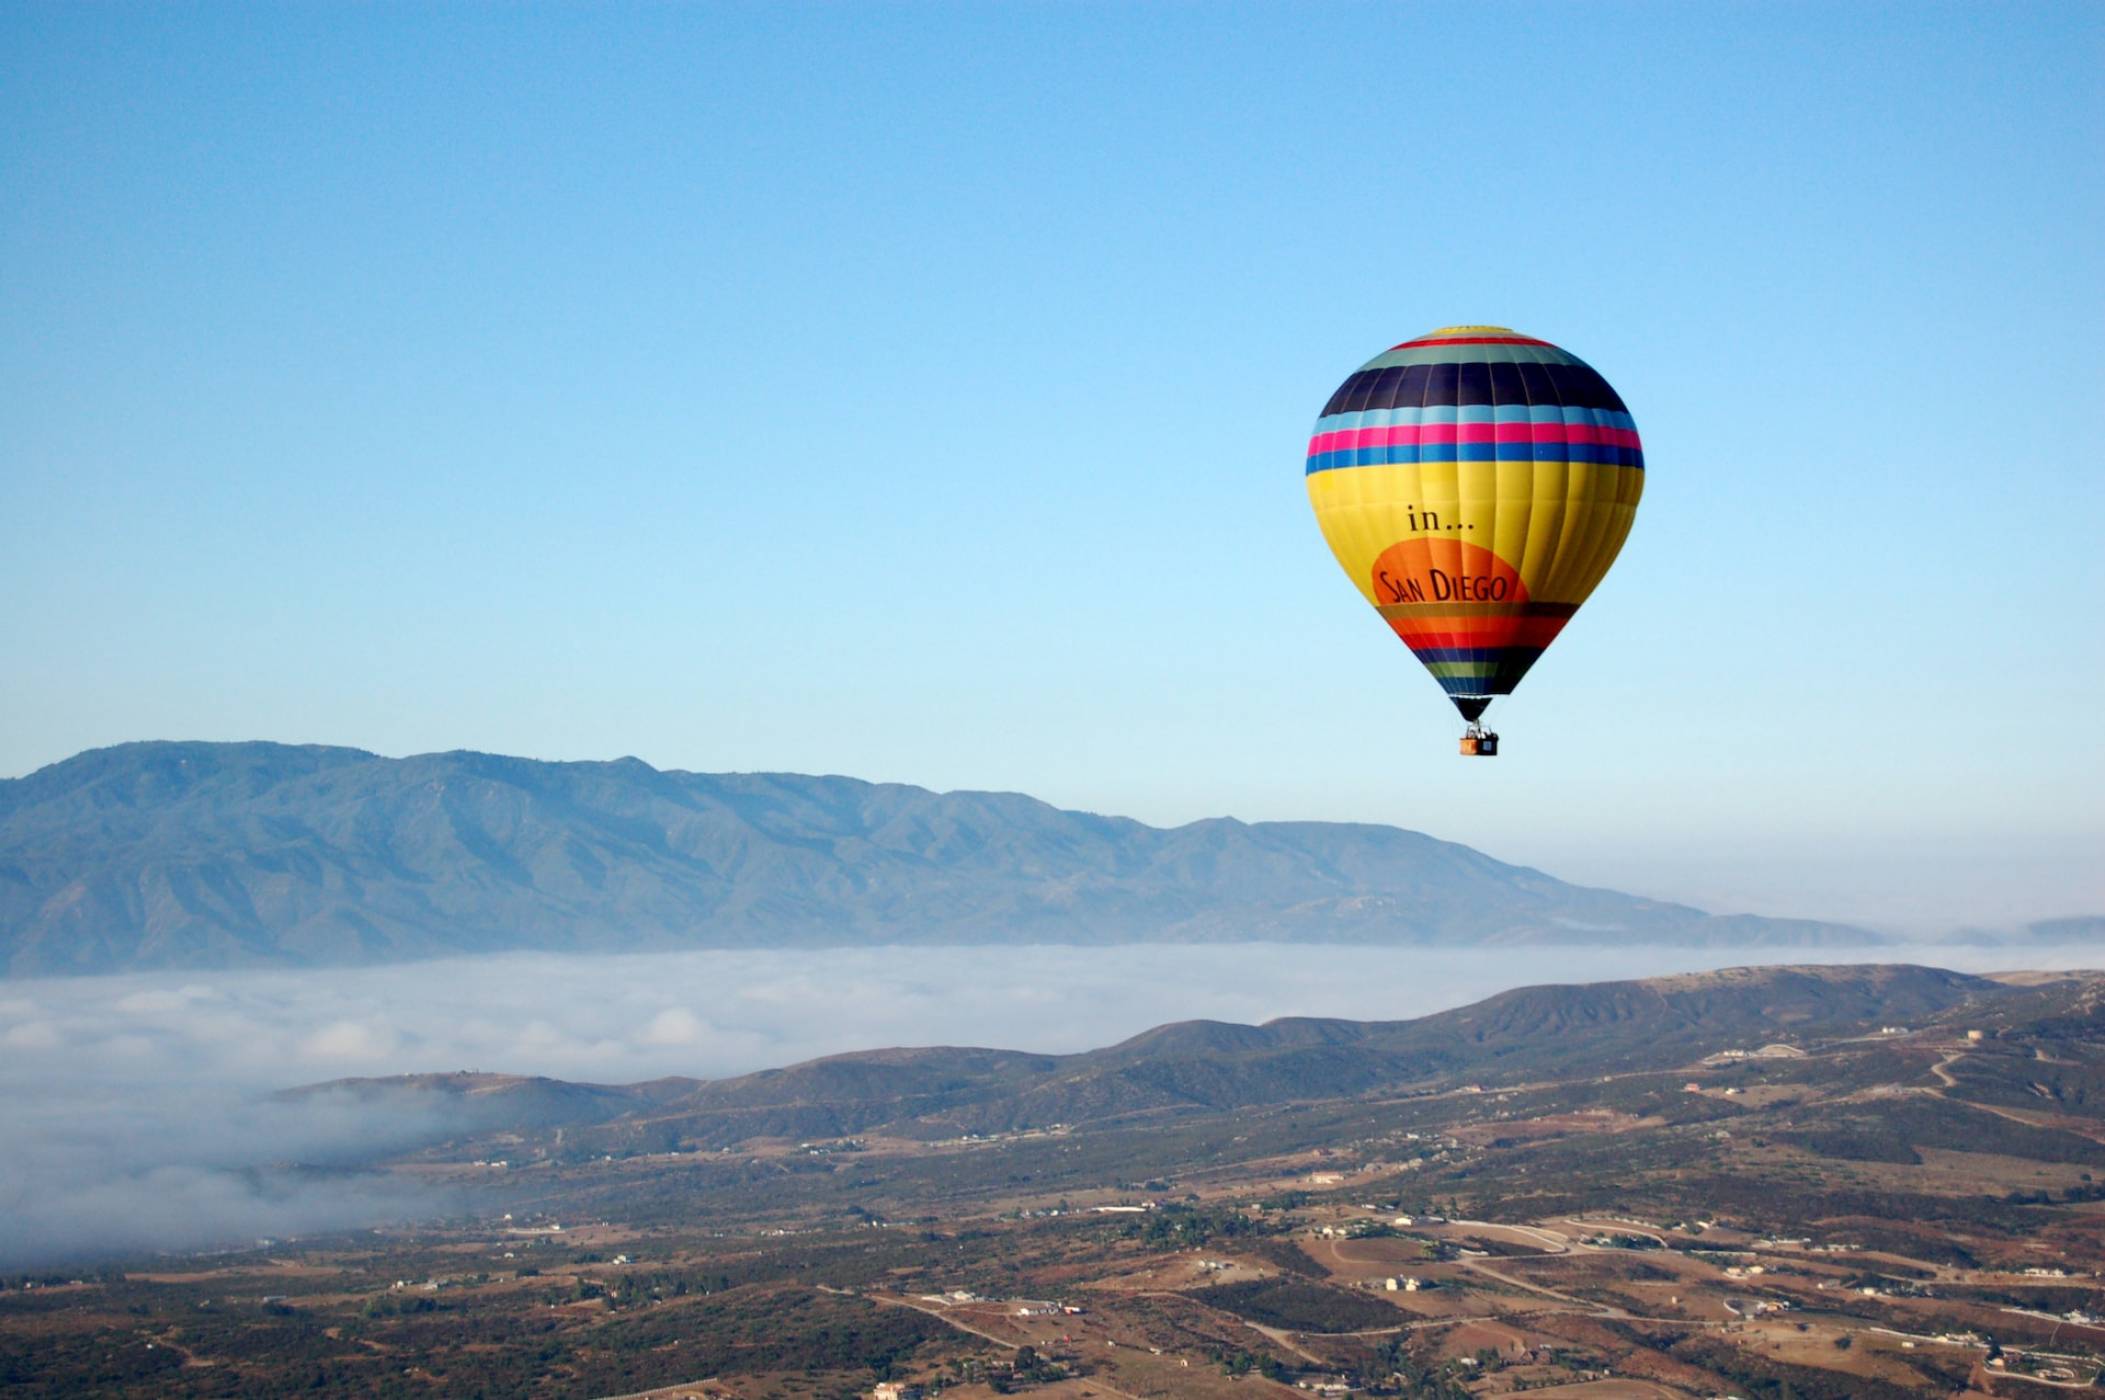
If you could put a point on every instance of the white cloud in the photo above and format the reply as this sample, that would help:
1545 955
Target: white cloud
33 1035
350 1041
675 1025
149 1000
726 1012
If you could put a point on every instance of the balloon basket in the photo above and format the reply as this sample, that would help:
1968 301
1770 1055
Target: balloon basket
1479 743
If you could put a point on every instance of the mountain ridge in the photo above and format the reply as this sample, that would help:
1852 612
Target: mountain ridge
1549 1031
187 854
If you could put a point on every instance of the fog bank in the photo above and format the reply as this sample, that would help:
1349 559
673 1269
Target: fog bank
136 1109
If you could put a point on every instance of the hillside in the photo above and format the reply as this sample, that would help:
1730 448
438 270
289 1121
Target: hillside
1561 1190
160 855
1207 1066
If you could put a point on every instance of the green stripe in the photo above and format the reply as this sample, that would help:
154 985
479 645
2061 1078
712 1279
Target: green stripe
1473 355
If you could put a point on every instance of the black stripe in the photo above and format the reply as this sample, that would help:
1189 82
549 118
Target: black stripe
1398 386
1506 386
1511 667
1441 382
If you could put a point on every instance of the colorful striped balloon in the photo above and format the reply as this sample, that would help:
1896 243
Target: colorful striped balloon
1475 484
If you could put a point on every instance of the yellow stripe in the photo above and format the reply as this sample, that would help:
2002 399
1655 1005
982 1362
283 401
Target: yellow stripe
1559 525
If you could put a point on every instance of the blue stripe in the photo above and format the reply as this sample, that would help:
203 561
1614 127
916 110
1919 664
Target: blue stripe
1599 454
1490 654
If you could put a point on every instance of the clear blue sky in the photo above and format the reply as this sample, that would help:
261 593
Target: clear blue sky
919 392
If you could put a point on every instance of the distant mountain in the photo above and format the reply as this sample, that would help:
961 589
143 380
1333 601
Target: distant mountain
2081 928
211 855
1209 1066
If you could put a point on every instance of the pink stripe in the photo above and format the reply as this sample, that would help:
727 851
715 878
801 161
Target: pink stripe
1427 434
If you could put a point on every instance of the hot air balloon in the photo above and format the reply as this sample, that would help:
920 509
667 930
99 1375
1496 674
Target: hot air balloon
1475 484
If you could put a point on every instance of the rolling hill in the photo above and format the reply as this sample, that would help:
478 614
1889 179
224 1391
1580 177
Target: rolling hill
163 855
1559 1032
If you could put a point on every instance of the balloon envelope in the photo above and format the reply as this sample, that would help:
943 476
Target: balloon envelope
1475 484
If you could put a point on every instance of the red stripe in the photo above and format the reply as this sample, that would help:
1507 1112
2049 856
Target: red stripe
1471 340
1489 632
1421 434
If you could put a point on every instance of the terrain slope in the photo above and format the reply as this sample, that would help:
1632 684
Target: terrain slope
1196 1067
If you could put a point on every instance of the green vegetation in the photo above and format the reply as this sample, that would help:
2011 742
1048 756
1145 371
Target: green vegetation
1183 1227
1300 1305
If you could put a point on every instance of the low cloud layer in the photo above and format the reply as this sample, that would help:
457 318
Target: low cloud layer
137 1109
93 1170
